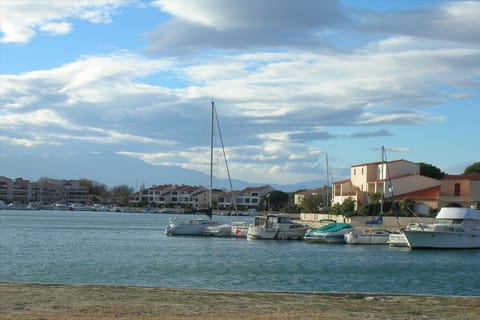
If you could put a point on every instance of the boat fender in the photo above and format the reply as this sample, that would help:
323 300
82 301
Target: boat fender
366 231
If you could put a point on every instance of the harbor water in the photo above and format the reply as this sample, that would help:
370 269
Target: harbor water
131 249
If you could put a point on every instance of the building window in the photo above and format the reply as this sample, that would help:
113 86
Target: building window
354 171
457 190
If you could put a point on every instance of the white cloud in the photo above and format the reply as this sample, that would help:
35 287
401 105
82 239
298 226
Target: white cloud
57 28
277 101
22 19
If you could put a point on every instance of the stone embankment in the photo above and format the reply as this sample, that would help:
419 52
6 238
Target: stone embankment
390 223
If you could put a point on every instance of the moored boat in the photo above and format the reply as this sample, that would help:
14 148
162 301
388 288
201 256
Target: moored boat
397 239
219 230
331 233
367 236
239 229
188 227
453 228
274 226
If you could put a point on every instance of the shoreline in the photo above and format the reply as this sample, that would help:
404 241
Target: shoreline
86 301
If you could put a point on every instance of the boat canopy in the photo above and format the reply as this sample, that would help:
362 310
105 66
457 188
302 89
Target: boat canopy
333 227
458 213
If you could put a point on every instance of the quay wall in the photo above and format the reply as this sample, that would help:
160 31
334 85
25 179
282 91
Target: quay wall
312 219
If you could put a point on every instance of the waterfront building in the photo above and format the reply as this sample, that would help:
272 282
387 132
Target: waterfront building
388 179
44 191
462 190
324 192
401 180
197 197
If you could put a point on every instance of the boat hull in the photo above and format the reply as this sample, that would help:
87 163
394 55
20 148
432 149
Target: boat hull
261 233
326 237
223 230
442 240
367 237
239 231
192 227
397 240
331 233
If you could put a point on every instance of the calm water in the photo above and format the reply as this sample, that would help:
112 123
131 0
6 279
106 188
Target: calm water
131 249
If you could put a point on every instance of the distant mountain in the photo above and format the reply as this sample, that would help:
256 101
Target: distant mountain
125 171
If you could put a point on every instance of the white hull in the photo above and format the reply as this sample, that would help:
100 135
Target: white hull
262 233
192 227
239 231
222 230
326 237
367 237
442 240
279 227
397 240
453 228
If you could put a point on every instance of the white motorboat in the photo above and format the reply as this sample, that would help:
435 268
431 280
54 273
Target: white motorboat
453 228
188 227
236 229
367 236
397 239
331 233
273 226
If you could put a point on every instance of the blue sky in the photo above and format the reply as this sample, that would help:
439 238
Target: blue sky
119 91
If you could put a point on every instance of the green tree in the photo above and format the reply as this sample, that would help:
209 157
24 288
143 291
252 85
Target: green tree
311 202
347 208
431 171
473 169
275 200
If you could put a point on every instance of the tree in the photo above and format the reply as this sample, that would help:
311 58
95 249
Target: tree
311 202
98 192
347 207
431 171
121 194
473 169
275 200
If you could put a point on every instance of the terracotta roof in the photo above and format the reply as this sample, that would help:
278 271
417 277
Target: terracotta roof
160 187
424 194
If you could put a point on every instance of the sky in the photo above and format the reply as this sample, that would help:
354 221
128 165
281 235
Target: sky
119 91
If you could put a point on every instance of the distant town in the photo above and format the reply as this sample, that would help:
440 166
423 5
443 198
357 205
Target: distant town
395 185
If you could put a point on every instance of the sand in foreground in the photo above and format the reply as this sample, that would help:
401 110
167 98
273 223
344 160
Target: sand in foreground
35 301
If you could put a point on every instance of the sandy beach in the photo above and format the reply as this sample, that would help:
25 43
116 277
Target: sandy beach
38 301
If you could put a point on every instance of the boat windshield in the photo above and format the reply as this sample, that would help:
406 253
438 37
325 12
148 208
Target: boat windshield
259 221
448 221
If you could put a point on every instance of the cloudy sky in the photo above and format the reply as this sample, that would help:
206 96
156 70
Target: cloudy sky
119 91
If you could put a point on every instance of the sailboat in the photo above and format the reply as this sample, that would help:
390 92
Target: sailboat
197 226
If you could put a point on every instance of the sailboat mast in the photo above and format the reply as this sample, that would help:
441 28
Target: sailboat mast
328 182
383 178
211 159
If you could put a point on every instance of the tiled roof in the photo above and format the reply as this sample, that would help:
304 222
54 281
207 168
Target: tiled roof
424 194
